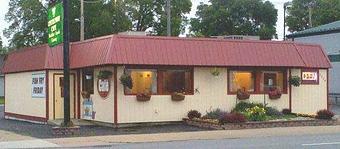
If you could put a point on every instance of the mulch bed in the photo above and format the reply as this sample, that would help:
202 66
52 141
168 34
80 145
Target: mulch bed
252 125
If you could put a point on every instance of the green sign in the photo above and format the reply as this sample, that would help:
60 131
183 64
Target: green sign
55 24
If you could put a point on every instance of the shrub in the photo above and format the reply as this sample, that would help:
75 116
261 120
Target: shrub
286 111
242 106
214 114
324 114
270 111
233 118
194 114
255 114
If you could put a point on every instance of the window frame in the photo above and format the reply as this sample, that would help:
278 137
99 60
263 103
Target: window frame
141 68
257 74
83 78
228 79
159 73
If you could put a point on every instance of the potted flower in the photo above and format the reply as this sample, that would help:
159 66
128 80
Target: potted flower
104 74
143 97
242 94
85 94
295 81
126 80
215 72
177 96
274 93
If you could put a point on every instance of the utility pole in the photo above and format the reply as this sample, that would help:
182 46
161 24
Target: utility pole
310 12
66 46
285 6
81 20
168 11
310 16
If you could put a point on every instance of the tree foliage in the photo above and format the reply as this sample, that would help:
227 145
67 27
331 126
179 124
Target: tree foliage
241 17
323 12
28 19
146 14
28 23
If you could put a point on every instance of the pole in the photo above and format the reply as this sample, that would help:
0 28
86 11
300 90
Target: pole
81 20
168 8
284 21
66 66
310 15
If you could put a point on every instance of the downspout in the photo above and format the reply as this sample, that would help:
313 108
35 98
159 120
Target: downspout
290 90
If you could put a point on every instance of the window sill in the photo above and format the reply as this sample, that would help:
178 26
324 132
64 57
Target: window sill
255 93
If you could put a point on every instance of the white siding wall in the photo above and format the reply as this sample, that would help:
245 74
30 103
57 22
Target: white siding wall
213 94
19 99
102 106
309 98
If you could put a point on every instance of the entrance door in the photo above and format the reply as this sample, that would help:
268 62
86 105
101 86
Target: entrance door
59 97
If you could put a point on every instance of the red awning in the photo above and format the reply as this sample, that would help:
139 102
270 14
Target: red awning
148 50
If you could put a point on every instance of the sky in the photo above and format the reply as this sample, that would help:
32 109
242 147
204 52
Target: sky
277 3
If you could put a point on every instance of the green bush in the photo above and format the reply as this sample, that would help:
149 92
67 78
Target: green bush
242 106
270 111
194 114
324 114
255 113
286 111
214 114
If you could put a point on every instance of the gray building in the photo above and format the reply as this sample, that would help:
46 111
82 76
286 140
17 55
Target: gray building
328 36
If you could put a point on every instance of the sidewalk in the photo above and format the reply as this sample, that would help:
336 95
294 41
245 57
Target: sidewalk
201 135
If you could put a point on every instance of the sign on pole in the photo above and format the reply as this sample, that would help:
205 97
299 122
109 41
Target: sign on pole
55 25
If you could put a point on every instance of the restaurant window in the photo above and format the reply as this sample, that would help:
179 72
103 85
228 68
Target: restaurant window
271 80
241 80
177 81
87 80
143 80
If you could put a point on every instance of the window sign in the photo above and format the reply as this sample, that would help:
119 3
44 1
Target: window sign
55 25
39 85
310 77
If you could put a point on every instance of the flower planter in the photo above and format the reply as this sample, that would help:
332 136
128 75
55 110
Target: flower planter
242 94
143 97
85 94
274 96
177 97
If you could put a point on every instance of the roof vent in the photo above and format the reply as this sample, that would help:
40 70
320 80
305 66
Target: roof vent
133 33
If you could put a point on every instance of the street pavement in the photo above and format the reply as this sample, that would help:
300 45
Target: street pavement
14 134
326 141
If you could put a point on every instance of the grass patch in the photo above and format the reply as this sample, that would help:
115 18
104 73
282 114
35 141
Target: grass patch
2 100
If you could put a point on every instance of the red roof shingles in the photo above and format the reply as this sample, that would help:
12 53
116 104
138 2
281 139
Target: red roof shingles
141 50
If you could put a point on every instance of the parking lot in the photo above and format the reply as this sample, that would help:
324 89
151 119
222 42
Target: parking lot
45 131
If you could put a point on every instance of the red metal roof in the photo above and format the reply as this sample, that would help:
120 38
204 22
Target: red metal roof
146 50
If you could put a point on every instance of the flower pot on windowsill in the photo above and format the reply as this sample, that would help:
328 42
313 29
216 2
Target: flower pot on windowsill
177 96
274 94
143 97
242 94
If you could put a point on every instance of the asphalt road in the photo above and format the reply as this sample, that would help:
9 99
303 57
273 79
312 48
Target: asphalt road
328 141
